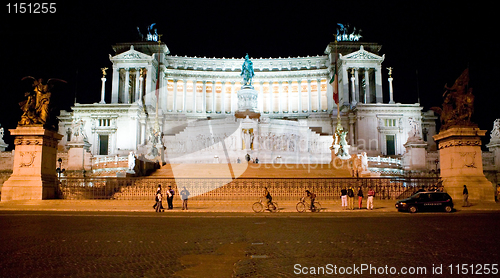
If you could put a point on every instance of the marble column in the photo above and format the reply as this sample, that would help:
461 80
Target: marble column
353 86
318 82
184 97
204 108
223 97
391 93
116 85
126 88
175 95
140 92
299 96
367 86
378 85
309 96
103 90
137 85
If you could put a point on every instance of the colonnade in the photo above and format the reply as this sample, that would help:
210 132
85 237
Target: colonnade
361 84
220 97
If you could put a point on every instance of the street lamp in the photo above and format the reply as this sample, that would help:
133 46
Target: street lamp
437 162
59 169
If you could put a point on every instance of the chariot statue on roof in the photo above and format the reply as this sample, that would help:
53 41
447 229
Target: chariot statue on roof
247 71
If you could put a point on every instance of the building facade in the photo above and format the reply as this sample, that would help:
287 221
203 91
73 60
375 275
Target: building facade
187 105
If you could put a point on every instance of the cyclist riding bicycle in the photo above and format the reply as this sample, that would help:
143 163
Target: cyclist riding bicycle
268 197
311 196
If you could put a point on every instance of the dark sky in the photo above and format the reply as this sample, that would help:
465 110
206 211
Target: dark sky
439 40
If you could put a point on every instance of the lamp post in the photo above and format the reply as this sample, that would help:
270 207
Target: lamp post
437 162
59 169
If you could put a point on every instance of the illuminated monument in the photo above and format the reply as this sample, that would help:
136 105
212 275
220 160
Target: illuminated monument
203 105
34 170
459 142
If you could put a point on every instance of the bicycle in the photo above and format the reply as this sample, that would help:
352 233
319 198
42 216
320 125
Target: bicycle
302 205
259 206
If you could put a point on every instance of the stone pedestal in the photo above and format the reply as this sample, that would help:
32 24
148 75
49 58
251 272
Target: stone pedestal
34 171
79 156
415 156
247 103
461 164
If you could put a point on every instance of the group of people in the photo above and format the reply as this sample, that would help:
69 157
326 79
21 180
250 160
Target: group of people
347 198
158 206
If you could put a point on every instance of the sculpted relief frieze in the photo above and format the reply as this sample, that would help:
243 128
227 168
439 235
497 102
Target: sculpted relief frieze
457 143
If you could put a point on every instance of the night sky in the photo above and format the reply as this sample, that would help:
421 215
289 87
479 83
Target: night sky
437 40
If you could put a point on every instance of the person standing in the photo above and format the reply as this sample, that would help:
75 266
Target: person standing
369 201
343 198
170 197
350 198
360 197
158 190
466 197
158 202
184 197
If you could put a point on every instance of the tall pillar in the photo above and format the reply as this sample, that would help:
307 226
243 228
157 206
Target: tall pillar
344 89
175 95
103 90
126 87
318 81
354 75
116 85
367 86
149 81
299 96
184 97
223 97
390 90
140 92
280 90
378 85
204 108
137 85
309 96
234 98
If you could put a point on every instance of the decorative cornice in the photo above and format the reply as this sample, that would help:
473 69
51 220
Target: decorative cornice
458 143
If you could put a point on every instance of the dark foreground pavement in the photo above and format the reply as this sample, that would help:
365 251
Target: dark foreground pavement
148 244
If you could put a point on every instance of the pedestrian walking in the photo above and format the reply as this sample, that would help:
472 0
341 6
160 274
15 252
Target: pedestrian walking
343 198
170 197
369 201
158 202
158 190
466 197
350 198
360 197
184 197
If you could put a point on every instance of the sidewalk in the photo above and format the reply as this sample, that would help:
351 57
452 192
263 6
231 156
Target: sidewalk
202 206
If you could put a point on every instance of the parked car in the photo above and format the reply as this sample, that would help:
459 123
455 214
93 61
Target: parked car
426 201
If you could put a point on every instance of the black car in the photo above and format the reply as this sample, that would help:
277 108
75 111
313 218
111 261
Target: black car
426 201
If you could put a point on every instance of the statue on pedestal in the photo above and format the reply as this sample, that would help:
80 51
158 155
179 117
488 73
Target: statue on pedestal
37 107
247 71
458 104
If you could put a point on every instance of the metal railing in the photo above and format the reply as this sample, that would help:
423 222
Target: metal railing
219 189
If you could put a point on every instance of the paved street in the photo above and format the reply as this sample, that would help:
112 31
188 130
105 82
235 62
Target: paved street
128 244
